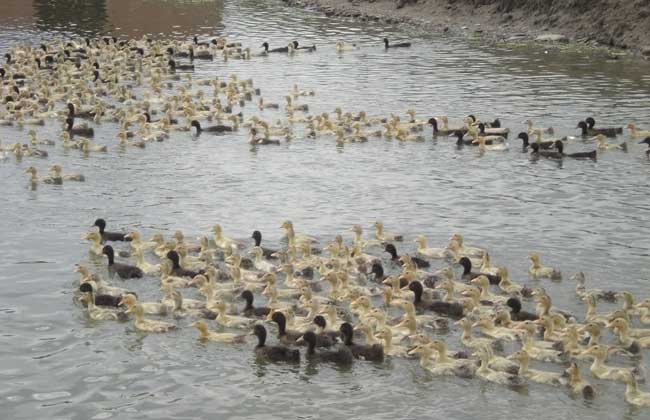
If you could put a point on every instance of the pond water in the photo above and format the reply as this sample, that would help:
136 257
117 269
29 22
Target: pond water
581 215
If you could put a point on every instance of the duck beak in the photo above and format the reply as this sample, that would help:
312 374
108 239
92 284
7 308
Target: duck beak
300 340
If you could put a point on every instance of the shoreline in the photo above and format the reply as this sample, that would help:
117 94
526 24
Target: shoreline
492 24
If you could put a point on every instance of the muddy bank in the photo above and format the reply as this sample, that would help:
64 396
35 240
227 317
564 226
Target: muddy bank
620 24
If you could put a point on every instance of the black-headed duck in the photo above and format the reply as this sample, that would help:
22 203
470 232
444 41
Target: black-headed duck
646 141
373 353
250 310
272 353
387 45
177 270
579 155
419 262
125 271
451 309
342 355
284 335
109 236
214 129
516 314
469 275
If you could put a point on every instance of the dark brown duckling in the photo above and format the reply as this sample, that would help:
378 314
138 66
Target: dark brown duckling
469 275
341 356
419 262
125 271
250 310
372 353
516 314
285 336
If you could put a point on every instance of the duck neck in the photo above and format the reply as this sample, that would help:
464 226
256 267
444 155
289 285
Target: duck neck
311 347
442 355
249 303
282 327
258 240
523 366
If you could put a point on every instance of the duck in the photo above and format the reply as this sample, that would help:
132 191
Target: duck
95 313
90 286
34 179
603 145
436 253
609 132
173 66
150 308
250 310
484 147
463 366
266 252
224 242
124 271
109 236
541 144
230 321
632 393
469 275
583 293
55 171
81 130
427 361
206 335
383 236
632 345
636 133
372 353
537 270
267 49
341 356
390 349
146 267
488 328
148 325
259 262
344 46
392 250
599 369
96 247
284 335
450 309
516 314
272 353
559 146
491 375
577 384
539 376
646 141
177 270
214 129
467 251
398 45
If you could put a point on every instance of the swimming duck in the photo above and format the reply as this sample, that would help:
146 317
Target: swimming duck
543 377
177 270
272 353
342 355
109 236
542 144
34 179
398 45
438 253
491 375
94 312
81 130
577 384
632 393
559 146
224 242
55 171
214 129
259 262
173 66
536 270
636 133
250 310
426 353
598 367
206 334
609 132
373 353
473 342
98 294
419 262
622 327
589 131
125 271
583 293
274 50
284 335
148 325
151 308
517 314
143 265
603 145
391 349
96 247
230 321
469 275
383 236
344 46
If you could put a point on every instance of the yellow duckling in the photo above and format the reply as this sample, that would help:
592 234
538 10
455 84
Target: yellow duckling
486 324
383 236
150 308
96 247
427 361
491 375
538 350
636 133
422 249
342 46
622 327
55 172
389 348
466 337
537 270
259 262
230 321
143 265
577 384
206 334
483 284
483 147
505 284
599 369
86 146
543 377
148 325
603 145
632 393
466 251
34 179
487 267
95 313
224 242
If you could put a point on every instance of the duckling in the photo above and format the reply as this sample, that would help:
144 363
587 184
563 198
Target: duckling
177 270
472 342
517 314
94 312
272 353
284 335
583 293
469 275
206 334
34 179
372 353
451 309
492 375
382 236
230 321
489 329
484 147
250 310
463 366
35 140
426 361
266 252
632 393
603 145
148 325
125 271
259 262
143 265
391 349
55 171
636 133
342 46
622 327
609 132
598 367
537 271
150 308
99 296
437 253
96 247
507 286
224 242
543 377
577 384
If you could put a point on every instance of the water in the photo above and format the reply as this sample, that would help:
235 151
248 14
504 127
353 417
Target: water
581 216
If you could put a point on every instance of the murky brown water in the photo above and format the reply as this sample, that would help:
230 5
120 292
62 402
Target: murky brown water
582 216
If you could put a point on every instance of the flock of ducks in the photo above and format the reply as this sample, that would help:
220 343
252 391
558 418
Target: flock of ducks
146 90
358 300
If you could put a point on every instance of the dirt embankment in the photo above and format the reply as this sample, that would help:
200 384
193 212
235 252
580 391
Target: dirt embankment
623 24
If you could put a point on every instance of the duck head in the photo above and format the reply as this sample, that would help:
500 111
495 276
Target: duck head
645 141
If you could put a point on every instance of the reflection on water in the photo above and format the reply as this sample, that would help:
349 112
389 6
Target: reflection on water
131 18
